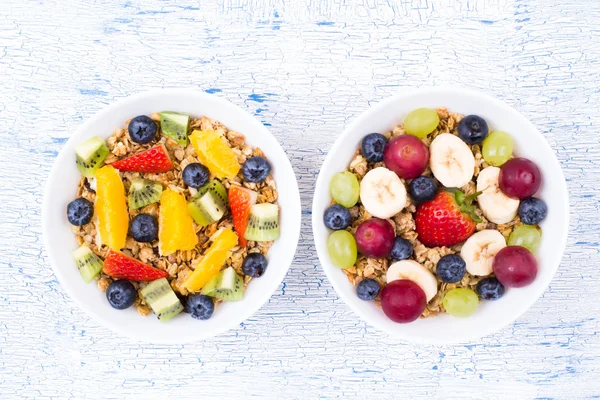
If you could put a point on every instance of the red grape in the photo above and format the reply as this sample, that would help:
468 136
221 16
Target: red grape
403 301
515 266
375 238
406 155
519 178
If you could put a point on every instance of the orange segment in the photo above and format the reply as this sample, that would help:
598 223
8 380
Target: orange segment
213 152
111 208
175 226
213 260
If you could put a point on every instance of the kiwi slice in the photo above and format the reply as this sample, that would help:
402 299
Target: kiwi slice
143 192
228 286
175 125
162 299
209 204
88 263
263 224
90 156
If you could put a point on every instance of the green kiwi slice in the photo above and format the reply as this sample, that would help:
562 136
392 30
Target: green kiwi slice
88 263
228 286
175 125
263 224
162 299
90 156
209 204
143 192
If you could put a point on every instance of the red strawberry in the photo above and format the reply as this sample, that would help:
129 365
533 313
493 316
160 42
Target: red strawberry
240 202
120 266
153 160
447 220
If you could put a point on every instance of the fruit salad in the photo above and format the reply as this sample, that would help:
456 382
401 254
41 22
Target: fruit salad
436 216
173 214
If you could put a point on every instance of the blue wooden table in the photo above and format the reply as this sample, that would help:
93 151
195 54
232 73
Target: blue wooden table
305 68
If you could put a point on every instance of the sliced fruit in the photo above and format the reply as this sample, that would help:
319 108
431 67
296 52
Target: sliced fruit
496 206
480 249
382 193
413 271
175 125
88 263
241 201
143 192
162 299
263 224
154 160
451 161
120 266
223 239
215 154
111 208
90 155
209 204
175 226
227 285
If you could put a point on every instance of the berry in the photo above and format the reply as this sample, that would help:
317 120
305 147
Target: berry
341 247
472 129
254 265
532 210
80 211
241 201
367 289
421 122
519 178
142 129
402 250
121 294
345 188
515 266
375 238
403 301
460 302
256 169
407 156
372 147
422 189
447 220
195 175
144 228
154 160
490 288
199 306
120 266
337 217
451 268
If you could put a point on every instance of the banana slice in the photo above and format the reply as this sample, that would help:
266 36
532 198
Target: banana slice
451 160
496 206
413 271
382 193
480 249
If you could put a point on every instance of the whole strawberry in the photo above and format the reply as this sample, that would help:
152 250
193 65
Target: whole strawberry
447 220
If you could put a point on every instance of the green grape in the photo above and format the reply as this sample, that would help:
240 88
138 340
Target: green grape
345 189
527 236
341 247
421 122
461 302
497 148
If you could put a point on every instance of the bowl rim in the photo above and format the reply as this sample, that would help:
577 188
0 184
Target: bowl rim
317 222
61 159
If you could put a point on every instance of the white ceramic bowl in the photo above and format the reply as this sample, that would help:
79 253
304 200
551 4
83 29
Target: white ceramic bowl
60 242
490 316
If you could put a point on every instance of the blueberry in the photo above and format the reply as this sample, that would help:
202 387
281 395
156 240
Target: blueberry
337 217
142 129
367 289
472 129
195 175
532 210
200 306
490 289
402 250
256 169
372 147
144 228
121 294
80 211
254 265
451 268
422 189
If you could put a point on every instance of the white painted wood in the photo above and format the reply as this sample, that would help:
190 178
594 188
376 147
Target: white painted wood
306 68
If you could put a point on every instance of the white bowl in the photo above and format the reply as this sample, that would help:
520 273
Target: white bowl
490 316
60 241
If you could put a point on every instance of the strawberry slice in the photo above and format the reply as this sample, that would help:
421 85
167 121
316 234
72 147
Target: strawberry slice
240 202
153 160
120 266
